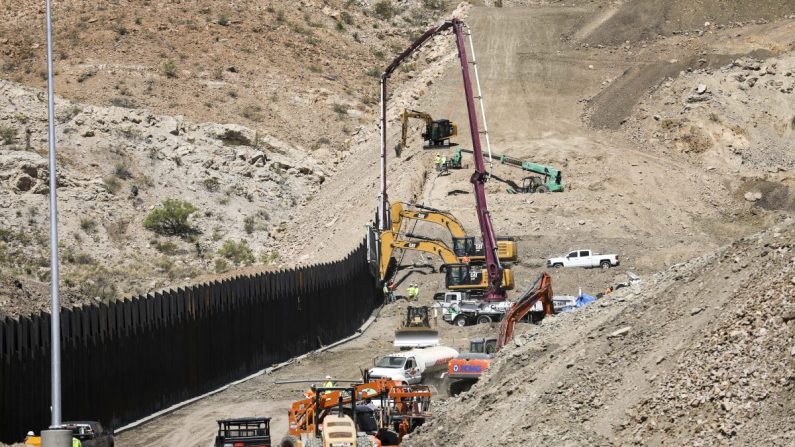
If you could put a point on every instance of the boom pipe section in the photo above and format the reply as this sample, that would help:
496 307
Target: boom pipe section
427 35
479 177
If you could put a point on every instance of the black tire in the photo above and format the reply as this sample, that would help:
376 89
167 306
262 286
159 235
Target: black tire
605 265
542 189
361 441
484 319
288 441
460 386
557 266
460 321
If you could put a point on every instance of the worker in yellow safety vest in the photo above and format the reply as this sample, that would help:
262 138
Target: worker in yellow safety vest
438 161
330 383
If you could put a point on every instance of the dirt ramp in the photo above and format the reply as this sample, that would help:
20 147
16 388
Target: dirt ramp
646 19
613 105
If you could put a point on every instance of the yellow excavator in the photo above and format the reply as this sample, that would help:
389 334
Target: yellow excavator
463 245
437 132
458 275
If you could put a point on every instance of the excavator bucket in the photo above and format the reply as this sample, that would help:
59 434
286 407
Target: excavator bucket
416 331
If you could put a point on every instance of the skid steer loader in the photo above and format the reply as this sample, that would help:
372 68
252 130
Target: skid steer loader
415 330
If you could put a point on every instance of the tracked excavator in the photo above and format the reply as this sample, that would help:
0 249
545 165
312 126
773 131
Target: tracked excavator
463 245
331 416
458 275
549 179
467 368
437 132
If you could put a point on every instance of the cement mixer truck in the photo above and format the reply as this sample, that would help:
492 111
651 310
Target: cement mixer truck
413 366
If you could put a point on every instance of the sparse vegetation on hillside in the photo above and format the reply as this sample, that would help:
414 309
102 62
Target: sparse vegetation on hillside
170 69
171 219
384 9
237 251
8 134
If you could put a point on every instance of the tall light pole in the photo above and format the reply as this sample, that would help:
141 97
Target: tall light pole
54 437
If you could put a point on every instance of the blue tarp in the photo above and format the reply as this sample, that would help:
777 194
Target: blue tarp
584 299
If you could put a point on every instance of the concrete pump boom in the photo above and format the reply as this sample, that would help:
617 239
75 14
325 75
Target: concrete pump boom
494 268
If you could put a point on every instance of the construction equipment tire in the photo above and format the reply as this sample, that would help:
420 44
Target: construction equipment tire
362 441
313 442
460 321
542 189
484 319
289 441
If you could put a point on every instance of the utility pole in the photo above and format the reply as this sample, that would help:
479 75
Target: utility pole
54 437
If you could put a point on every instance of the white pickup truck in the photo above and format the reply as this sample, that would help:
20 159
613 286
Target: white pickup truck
584 258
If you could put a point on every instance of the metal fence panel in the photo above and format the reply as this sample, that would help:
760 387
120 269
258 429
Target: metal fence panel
129 358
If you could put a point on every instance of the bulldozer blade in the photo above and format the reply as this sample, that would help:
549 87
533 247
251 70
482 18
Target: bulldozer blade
416 338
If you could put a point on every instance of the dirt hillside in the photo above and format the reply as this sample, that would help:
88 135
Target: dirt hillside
244 110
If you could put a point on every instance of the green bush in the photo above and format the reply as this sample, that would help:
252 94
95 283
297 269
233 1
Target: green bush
250 224
170 69
171 219
237 252
212 184
8 135
384 9
111 184
436 5
221 266
88 225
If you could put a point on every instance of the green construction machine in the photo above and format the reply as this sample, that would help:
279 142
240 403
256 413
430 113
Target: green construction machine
549 180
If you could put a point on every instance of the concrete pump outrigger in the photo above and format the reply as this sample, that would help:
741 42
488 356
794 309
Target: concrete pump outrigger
493 268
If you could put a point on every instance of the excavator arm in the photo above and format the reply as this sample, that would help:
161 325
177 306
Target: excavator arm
552 177
399 212
437 133
463 245
541 290
405 124
390 243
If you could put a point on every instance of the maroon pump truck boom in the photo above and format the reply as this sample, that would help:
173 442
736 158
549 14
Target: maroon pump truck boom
494 268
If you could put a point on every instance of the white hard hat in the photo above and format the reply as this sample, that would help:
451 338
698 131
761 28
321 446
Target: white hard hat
30 433
328 377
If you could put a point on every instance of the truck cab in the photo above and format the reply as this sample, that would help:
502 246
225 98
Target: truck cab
397 367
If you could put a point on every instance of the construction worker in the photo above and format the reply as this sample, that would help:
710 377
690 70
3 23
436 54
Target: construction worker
438 161
391 286
330 383
76 442
412 291
416 292
386 293
30 441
